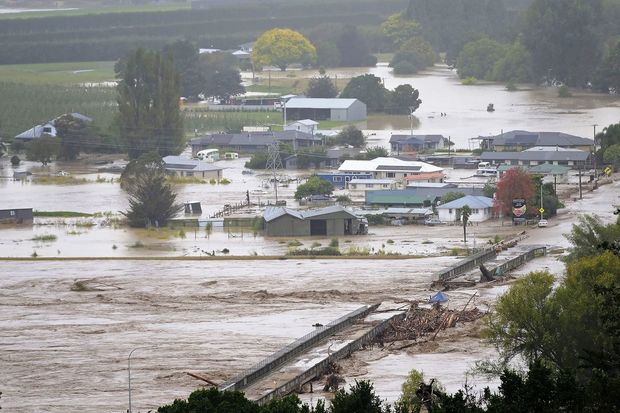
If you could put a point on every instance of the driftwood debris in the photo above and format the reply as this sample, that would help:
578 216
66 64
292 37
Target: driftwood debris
420 322
203 378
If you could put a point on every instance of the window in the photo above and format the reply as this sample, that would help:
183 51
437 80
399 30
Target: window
347 178
337 178
391 174
368 185
12 213
189 174
449 211
476 211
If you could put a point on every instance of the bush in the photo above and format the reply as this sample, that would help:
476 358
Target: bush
15 160
469 81
404 68
564 92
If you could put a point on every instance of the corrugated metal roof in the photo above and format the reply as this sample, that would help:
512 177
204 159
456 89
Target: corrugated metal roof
272 213
179 163
520 137
479 202
387 164
540 156
320 103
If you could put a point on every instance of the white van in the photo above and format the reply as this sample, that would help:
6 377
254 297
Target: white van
231 155
208 155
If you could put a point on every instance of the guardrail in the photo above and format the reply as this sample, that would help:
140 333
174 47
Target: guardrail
295 348
467 264
322 366
519 260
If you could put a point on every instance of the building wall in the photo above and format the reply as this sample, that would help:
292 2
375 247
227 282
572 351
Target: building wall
478 215
16 216
202 175
288 226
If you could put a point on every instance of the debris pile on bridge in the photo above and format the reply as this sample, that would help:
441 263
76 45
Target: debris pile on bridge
420 322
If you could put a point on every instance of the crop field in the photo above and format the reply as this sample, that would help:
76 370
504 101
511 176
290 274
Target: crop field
97 10
68 73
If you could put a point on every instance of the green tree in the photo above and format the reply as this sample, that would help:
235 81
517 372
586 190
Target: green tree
608 137
452 196
608 75
416 52
369 89
351 136
591 237
478 58
222 78
327 53
399 28
403 100
375 152
515 65
465 214
314 186
360 398
148 102
353 48
612 155
281 47
186 59
212 400
43 149
321 87
75 135
152 200
561 36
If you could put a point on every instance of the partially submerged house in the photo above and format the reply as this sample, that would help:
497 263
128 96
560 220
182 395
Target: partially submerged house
250 142
481 209
16 216
415 143
179 166
573 158
520 140
386 167
47 129
326 222
413 197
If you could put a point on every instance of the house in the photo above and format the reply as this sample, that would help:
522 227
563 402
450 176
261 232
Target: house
573 158
413 197
385 167
305 125
431 185
335 109
250 142
551 173
339 180
16 216
481 209
179 166
519 140
47 129
331 221
415 143
358 187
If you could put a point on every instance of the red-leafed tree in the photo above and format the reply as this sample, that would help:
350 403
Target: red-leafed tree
515 184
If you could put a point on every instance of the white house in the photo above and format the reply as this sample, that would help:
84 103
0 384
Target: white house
179 166
481 209
306 125
358 187
389 168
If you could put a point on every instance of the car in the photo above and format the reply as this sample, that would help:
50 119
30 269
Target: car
542 223
433 221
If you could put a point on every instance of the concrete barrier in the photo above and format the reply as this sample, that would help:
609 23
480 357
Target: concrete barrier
295 348
466 264
319 368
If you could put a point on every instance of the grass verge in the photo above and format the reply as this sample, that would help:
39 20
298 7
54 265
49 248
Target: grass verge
61 214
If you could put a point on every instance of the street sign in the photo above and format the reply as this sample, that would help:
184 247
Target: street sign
541 210
607 170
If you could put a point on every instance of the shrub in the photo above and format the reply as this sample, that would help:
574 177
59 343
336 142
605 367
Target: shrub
45 238
469 81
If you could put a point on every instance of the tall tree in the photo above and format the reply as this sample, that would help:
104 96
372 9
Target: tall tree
369 89
465 214
403 100
321 87
186 62
514 184
222 78
43 149
562 38
354 50
75 135
148 102
281 47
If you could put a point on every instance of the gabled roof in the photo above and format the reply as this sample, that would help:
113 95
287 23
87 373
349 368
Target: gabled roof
525 138
548 168
320 103
414 195
477 202
37 132
371 181
387 164
305 122
253 138
272 212
414 138
178 163
540 156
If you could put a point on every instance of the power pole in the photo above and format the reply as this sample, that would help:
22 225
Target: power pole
274 163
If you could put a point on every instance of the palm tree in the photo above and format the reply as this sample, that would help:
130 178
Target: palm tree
465 213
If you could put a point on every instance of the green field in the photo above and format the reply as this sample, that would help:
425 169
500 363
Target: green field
71 73
97 10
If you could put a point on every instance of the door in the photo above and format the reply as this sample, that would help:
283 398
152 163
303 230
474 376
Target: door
318 227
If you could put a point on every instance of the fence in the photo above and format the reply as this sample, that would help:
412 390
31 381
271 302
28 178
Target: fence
467 264
295 348
323 365
519 260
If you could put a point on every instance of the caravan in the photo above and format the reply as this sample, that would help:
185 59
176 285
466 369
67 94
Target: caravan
209 155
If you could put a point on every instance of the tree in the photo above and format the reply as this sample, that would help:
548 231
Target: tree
478 58
612 155
608 75
591 237
353 48
74 134
351 136
321 87
314 186
416 52
361 398
465 214
609 136
152 201
43 149
15 161
403 100
369 89
452 196
148 102
399 28
375 152
281 47
222 78
212 400
514 66
516 183
561 36
186 57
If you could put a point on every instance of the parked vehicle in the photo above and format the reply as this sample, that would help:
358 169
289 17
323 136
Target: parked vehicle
542 223
231 155
433 221
209 155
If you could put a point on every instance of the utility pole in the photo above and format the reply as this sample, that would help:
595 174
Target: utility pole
274 163
580 193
